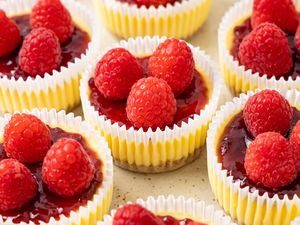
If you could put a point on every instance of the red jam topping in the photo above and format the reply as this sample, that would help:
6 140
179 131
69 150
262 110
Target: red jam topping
46 204
190 102
72 49
232 149
240 32
169 220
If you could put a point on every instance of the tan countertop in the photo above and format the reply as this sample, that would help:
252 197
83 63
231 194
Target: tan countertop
192 180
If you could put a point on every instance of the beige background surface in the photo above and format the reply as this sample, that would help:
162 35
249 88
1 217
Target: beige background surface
192 180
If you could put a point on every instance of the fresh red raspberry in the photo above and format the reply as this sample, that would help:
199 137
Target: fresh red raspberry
17 185
151 103
173 62
297 39
134 214
270 160
67 168
295 142
52 14
266 50
283 13
9 35
266 111
116 72
40 52
155 3
26 138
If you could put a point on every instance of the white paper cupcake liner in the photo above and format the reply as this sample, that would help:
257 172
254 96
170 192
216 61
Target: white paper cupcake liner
179 20
95 208
182 207
296 221
154 151
248 207
61 89
237 77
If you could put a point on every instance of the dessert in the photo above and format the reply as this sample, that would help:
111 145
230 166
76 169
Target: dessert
70 183
167 210
171 18
253 162
154 130
258 45
28 79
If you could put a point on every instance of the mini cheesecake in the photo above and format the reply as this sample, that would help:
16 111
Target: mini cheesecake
244 198
47 207
57 89
165 148
235 26
172 210
127 19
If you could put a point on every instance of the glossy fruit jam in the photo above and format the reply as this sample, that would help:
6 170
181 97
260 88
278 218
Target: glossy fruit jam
232 149
190 102
243 30
72 49
46 204
169 220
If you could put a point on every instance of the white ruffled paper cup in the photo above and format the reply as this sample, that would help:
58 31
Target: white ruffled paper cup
296 221
248 207
61 89
99 205
180 208
155 151
237 77
180 20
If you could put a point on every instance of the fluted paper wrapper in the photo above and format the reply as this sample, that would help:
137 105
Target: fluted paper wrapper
99 205
155 151
248 207
183 208
60 90
180 20
237 77
296 221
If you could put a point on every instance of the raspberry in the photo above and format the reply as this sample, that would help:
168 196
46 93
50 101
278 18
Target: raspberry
52 14
270 160
266 111
283 13
40 52
155 3
151 103
26 138
67 168
173 62
116 72
266 50
134 214
297 39
17 185
9 35
295 142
